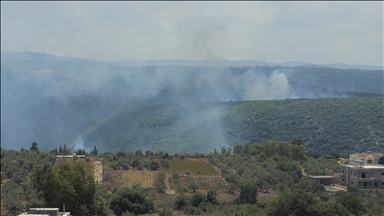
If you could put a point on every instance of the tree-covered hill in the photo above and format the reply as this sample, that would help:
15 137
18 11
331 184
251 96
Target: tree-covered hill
55 100
342 125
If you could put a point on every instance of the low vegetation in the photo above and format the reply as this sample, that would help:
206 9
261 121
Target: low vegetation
254 179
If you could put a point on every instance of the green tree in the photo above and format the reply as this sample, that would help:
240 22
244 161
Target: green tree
165 211
381 160
66 151
80 152
34 147
154 165
136 200
94 151
232 187
192 184
248 193
298 202
197 198
211 197
175 176
135 163
138 153
298 152
148 153
181 200
127 213
353 203
329 208
71 184
297 142
271 148
12 193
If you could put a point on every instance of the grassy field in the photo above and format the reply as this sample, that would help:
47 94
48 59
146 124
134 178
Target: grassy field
195 167
132 177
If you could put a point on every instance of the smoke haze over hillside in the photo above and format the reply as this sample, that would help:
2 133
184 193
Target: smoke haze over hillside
53 102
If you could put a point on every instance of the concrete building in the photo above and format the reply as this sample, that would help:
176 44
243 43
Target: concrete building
366 158
323 180
362 175
45 212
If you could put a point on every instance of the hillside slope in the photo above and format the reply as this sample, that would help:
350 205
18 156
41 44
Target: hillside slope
342 125
54 100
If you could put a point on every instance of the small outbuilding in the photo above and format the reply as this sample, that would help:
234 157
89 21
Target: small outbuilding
323 180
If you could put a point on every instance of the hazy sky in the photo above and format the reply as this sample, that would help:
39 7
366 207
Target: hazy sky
316 32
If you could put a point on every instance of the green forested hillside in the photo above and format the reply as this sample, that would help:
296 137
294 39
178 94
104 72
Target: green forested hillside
342 125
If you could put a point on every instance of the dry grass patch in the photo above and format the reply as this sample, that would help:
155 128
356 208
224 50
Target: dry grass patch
127 177
143 177
194 167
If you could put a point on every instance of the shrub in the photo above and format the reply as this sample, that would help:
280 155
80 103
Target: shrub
165 211
197 198
181 200
136 200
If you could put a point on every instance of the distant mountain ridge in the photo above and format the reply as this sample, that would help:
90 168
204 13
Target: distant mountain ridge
5 55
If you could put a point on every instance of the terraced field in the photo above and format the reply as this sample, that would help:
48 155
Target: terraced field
132 177
193 166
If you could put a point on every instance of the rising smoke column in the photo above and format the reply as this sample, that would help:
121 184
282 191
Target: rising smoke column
259 86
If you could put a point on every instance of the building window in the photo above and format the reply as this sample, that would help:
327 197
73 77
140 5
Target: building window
343 179
355 173
382 173
351 182
343 170
382 183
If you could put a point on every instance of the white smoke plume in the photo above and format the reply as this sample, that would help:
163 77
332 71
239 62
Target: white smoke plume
80 145
262 87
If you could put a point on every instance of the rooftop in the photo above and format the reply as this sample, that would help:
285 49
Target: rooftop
33 214
322 177
370 166
49 209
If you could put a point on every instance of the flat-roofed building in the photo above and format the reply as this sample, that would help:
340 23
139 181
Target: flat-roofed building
366 158
323 180
361 175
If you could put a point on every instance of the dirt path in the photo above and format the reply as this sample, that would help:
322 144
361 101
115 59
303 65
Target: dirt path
341 187
302 171
169 190
99 172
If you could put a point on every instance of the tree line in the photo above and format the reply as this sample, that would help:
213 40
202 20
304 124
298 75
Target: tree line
249 170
